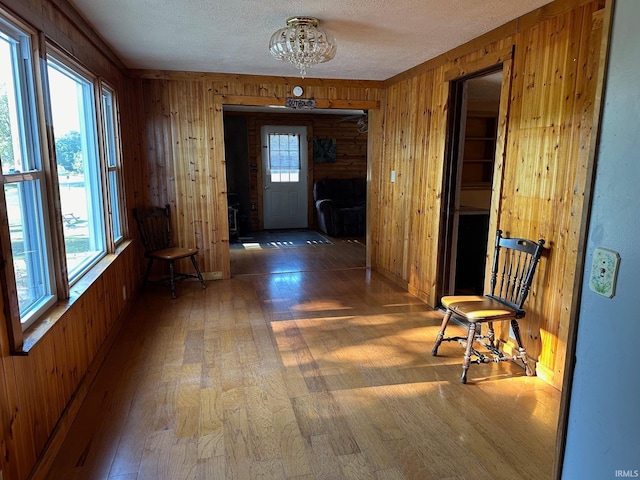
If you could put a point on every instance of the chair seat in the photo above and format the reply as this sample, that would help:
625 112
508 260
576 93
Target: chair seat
477 308
173 253
451 299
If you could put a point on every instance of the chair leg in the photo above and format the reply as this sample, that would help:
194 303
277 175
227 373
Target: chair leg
491 335
443 327
172 279
466 362
195 265
146 273
522 352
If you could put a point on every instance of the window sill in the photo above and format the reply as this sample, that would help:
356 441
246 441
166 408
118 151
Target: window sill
42 326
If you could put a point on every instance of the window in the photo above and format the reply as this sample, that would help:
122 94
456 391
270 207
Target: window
74 128
23 177
111 144
284 157
87 165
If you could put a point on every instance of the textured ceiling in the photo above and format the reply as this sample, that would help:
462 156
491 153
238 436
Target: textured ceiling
377 39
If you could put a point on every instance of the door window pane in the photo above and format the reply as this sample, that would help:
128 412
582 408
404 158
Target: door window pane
284 157
74 128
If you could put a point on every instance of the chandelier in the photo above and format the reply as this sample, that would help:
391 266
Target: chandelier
302 43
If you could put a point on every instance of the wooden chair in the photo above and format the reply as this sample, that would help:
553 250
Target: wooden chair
155 229
513 268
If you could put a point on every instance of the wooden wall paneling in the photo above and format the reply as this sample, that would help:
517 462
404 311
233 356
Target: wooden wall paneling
418 227
578 181
540 172
207 183
541 190
218 174
436 174
64 27
20 441
34 413
255 179
311 211
39 387
389 190
61 365
414 147
437 136
531 128
130 101
375 153
383 260
8 408
407 175
38 390
186 133
153 165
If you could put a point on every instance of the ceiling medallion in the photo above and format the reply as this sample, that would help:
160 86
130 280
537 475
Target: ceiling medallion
303 43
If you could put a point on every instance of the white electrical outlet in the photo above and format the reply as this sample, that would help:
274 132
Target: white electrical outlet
604 272
393 176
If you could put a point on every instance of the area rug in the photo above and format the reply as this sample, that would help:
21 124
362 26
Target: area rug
280 239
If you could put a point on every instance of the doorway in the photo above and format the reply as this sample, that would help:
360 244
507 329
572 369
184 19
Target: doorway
284 179
475 104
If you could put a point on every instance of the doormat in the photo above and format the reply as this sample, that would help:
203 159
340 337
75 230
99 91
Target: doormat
279 239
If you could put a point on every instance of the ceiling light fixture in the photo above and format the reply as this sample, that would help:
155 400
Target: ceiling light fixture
303 43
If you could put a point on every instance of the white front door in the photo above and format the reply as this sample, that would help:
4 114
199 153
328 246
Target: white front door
284 160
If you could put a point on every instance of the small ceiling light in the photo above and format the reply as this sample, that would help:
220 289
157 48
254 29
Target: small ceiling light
303 43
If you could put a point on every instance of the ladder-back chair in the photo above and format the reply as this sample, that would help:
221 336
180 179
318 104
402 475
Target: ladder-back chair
514 265
154 225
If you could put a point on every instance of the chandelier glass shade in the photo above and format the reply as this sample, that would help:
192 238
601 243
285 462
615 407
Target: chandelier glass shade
303 43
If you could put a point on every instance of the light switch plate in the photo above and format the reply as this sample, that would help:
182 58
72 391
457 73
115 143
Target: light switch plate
604 272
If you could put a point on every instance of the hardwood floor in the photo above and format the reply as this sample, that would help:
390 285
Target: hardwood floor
323 371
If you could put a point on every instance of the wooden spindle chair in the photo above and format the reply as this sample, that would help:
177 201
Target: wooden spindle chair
514 265
154 225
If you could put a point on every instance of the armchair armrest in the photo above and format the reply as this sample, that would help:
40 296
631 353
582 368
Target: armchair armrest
325 205
324 210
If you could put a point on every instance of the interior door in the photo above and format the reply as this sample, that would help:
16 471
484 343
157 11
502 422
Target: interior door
284 157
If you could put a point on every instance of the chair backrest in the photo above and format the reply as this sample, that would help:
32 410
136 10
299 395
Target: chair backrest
154 225
514 265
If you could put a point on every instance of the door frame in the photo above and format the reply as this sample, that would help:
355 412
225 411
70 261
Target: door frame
451 173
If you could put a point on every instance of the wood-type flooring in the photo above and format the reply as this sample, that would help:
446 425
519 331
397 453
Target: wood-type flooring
304 365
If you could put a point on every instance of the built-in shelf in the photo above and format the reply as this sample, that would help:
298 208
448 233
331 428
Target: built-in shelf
479 150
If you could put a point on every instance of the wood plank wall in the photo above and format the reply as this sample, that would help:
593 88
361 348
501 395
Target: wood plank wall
36 390
181 131
549 127
351 152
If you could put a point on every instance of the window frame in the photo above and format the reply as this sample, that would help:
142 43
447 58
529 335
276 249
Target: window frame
103 124
34 153
112 164
58 59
